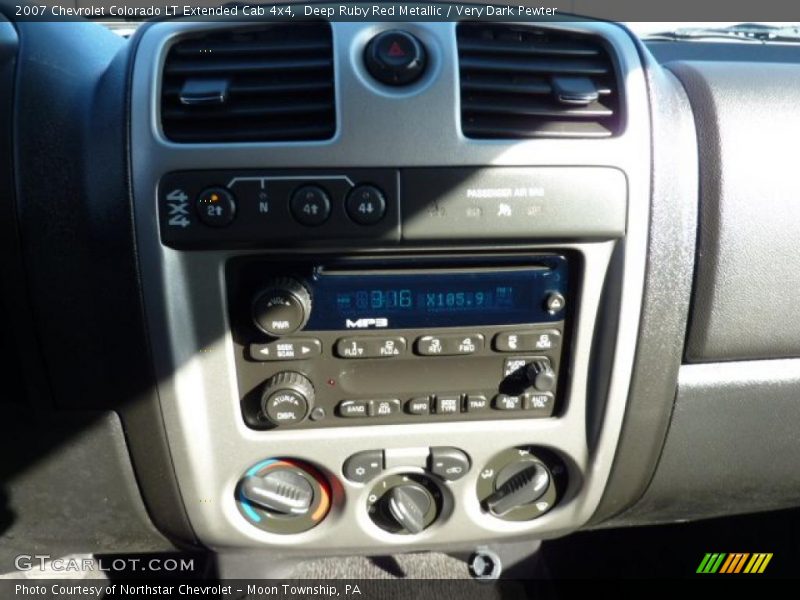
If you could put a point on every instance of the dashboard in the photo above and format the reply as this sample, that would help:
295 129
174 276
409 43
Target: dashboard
363 287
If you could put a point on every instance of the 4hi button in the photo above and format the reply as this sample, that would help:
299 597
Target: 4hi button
365 205
310 205
395 57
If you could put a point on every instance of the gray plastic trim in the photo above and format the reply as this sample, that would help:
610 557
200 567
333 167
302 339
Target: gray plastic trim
667 292
732 446
748 125
186 304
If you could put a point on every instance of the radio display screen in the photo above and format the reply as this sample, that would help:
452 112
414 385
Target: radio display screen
455 298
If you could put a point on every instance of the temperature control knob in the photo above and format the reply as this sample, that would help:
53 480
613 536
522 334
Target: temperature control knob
287 398
283 495
282 307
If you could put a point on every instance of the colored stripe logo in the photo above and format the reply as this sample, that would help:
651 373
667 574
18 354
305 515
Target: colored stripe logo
736 562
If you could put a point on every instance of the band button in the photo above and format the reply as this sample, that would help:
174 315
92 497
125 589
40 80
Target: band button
353 408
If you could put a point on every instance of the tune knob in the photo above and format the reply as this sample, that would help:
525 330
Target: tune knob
287 398
282 307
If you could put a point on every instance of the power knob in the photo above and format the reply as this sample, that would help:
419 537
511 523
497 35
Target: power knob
287 398
282 307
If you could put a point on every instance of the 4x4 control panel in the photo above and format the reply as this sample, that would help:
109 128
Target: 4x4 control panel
385 207
212 209
365 343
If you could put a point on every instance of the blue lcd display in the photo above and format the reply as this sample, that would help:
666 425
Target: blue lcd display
435 298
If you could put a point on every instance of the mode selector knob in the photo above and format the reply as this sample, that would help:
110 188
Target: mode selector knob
282 307
287 398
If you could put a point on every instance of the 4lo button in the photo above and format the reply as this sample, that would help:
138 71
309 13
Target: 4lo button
365 205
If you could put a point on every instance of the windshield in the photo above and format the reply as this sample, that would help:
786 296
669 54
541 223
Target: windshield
643 29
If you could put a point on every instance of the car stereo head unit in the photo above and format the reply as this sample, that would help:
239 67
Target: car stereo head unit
403 340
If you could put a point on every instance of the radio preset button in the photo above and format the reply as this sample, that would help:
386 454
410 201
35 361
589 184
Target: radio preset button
507 402
283 349
353 408
527 341
216 207
365 205
476 403
448 404
449 344
310 205
384 408
351 348
371 347
419 406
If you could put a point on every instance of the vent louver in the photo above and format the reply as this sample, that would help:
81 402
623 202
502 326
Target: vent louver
524 82
274 83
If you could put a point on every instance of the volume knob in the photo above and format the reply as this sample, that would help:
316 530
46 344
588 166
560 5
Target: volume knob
282 307
287 398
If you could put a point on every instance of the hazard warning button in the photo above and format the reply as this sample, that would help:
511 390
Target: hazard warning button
395 57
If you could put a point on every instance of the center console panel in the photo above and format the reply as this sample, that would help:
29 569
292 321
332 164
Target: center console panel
411 340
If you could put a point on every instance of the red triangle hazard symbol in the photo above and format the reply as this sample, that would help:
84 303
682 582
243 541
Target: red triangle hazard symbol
395 50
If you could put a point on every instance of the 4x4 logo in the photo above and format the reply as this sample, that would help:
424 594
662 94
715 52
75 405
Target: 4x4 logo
737 562
178 206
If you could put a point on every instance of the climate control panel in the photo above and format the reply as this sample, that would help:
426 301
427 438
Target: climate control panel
403 491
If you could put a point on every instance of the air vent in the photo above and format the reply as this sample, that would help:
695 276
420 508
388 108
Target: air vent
525 82
274 83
